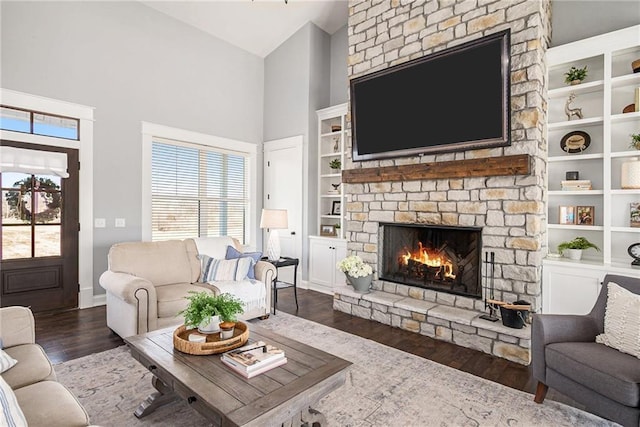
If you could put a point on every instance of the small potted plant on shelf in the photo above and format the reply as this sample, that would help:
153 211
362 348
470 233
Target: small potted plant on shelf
335 164
635 141
573 248
359 273
575 75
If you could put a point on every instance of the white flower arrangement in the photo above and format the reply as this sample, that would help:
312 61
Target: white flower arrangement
354 266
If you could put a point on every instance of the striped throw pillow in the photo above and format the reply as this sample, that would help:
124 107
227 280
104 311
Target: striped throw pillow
225 269
6 361
11 412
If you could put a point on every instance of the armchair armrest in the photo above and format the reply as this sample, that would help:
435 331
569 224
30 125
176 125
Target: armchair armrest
265 272
552 328
124 286
17 326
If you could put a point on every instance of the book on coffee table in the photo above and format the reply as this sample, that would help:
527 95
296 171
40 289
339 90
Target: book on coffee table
254 359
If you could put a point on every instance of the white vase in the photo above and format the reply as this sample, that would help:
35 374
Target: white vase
630 173
574 254
210 327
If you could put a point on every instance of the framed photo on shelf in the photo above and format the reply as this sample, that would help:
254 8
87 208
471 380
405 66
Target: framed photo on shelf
328 230
567 215
634 214
585 215
336 208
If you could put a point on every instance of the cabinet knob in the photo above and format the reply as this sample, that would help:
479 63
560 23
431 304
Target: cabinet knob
293 233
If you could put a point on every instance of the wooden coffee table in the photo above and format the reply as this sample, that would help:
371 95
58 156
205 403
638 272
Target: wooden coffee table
283 395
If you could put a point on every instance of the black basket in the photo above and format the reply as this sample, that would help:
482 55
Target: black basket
514 318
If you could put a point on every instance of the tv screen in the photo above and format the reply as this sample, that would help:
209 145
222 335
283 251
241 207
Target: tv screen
452 100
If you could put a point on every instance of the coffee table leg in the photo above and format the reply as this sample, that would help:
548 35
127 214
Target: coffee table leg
311 417
161 397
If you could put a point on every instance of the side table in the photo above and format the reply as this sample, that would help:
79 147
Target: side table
278 284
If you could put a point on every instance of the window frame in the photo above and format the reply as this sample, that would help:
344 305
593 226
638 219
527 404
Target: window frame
153 132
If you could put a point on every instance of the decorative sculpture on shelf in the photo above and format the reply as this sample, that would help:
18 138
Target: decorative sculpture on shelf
570 112
335 186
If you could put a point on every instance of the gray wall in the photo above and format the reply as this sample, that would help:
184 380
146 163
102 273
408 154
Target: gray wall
133 64
339 79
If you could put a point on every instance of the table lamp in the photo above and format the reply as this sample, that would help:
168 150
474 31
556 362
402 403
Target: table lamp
274 219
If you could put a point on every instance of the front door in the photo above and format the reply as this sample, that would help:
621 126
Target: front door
39 236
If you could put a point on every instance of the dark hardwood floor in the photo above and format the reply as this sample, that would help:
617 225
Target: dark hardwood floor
75 333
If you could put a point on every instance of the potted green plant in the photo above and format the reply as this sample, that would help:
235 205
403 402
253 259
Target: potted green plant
229 307
573 248
209 312
335 164
635 141
575 75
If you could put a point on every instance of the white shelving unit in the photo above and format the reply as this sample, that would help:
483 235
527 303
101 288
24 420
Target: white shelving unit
608 88
326 250
331 147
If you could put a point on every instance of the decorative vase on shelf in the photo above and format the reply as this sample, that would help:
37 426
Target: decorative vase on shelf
630 174
574 254
360 284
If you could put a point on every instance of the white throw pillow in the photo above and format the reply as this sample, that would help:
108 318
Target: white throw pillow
225 269
11 414
6 361
621 320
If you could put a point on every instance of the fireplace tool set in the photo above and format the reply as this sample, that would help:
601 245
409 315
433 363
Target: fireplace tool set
513 314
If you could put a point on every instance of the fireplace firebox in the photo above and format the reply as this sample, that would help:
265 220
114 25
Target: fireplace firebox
440 258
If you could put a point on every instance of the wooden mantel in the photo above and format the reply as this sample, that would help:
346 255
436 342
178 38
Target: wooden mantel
519 164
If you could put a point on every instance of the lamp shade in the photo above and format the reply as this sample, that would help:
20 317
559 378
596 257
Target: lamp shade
274 218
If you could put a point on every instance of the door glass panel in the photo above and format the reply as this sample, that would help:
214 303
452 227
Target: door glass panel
47 203
15 120
16 242
14 207
47 240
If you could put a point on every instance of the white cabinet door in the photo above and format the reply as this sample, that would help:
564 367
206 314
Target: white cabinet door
324 254
570 290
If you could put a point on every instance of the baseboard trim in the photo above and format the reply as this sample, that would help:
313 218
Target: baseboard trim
99 300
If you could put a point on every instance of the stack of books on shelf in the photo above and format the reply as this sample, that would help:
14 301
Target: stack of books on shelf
576 185
254 358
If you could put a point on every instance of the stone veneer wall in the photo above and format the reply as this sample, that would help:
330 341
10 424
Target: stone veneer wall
510 209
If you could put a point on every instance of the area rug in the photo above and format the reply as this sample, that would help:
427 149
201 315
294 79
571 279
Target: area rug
384 387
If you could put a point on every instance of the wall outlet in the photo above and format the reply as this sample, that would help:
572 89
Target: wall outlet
99 223
120 222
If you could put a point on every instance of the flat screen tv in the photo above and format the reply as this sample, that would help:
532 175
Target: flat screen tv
452 100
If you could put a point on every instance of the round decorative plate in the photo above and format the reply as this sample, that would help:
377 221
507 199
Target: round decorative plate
575 142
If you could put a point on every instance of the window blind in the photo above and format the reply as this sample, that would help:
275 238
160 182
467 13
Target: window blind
197 192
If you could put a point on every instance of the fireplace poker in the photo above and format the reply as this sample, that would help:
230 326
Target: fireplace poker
491 301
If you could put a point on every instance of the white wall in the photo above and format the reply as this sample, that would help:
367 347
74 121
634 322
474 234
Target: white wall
132 64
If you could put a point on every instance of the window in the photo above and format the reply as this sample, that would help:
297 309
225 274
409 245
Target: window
197 191
27 121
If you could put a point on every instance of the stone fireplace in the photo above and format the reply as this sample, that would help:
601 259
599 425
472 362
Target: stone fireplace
440 258
509 209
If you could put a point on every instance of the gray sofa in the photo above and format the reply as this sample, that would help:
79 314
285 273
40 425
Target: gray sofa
43 400
566 357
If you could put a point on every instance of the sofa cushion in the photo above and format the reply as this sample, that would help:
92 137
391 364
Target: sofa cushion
233 253
11 413
49 403
215 247
621 320
602 369
225 269
252 293
161 263
6 361
33 366
172 298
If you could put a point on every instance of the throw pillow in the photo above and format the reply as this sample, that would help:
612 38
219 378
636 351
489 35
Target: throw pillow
233 253
225 269
6 361
621 320
9 405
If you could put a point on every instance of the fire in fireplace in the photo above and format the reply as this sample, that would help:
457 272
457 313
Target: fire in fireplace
440 258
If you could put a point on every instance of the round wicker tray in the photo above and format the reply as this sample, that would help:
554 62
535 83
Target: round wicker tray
213 345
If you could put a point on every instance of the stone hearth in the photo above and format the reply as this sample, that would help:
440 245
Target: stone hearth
437 319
